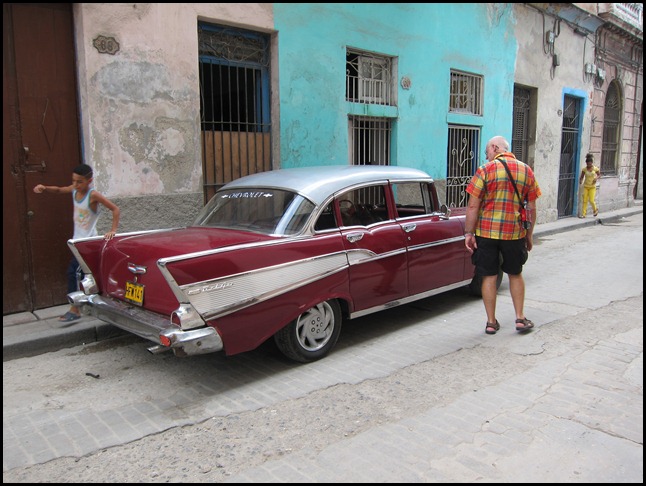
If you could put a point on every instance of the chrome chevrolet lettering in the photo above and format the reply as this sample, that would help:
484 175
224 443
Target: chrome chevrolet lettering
247 194
210 288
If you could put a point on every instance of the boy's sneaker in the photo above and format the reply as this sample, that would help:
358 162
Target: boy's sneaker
69 317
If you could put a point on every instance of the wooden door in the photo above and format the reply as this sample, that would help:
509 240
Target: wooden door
40 145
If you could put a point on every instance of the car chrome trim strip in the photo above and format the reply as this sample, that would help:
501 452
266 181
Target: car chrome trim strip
119 236
77 255
437 243
187 256
172 283
362 255
221 296
409 299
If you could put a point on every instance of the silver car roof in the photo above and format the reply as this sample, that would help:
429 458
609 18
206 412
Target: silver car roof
318 183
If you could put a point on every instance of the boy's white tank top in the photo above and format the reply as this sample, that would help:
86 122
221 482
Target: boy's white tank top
84 218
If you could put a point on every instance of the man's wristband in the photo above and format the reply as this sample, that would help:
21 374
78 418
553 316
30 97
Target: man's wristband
469 233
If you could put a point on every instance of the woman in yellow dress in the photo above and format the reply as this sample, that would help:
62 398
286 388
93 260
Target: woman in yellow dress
589 177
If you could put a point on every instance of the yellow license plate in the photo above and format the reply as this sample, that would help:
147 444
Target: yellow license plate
134 293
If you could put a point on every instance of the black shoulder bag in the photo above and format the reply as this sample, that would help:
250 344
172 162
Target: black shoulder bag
523 203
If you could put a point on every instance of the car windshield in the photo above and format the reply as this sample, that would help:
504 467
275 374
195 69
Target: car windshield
268 211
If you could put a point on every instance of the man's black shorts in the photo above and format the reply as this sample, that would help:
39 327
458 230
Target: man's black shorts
487 256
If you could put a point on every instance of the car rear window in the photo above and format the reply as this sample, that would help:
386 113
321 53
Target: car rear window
268 211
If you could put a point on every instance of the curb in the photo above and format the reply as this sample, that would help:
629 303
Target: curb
44 336
570 224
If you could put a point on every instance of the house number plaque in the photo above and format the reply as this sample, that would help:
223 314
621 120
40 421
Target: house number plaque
106 45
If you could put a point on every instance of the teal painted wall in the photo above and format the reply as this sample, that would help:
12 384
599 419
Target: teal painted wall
428 41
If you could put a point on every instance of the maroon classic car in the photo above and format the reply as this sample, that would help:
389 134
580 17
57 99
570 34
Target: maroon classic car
285 254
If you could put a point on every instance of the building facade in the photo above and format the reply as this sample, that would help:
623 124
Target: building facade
579 76
175 100
617 105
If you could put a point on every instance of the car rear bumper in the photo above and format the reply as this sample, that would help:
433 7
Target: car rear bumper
148 325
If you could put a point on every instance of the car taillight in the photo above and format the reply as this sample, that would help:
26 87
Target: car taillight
164 340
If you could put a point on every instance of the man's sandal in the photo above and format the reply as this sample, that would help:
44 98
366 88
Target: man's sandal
492 328
524 324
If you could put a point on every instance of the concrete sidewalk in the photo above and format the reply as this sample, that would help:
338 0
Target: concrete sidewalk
32 333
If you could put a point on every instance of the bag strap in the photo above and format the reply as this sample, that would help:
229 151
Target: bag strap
520 200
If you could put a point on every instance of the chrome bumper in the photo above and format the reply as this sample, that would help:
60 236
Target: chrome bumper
148 325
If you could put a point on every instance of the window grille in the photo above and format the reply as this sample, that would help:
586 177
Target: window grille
369 140
570 136
610 143
369 78
466 93
463 150
234 104
520 131
233 45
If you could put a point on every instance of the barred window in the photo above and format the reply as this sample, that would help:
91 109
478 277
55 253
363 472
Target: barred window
369 78
369 140
462 160
520 132
466 93
234 104
611 119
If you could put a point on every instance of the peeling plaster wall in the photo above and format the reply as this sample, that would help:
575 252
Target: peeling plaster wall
534 70
140 106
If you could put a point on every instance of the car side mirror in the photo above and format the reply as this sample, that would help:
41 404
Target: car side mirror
445 211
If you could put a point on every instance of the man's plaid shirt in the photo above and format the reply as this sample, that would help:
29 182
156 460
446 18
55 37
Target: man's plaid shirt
499 215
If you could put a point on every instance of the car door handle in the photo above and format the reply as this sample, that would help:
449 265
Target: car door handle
354 237
409 227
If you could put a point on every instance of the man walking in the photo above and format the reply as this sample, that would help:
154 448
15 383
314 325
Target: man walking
499 224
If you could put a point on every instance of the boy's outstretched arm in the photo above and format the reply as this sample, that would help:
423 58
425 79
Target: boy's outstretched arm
116 212
40 188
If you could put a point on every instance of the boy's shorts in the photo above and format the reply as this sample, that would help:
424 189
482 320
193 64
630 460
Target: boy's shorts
487 256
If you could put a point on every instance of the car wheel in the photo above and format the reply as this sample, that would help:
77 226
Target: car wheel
313 334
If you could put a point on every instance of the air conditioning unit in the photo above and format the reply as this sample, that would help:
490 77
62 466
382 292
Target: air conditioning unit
601 74
590 68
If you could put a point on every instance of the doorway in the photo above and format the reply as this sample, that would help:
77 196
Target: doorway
40 145
569 153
